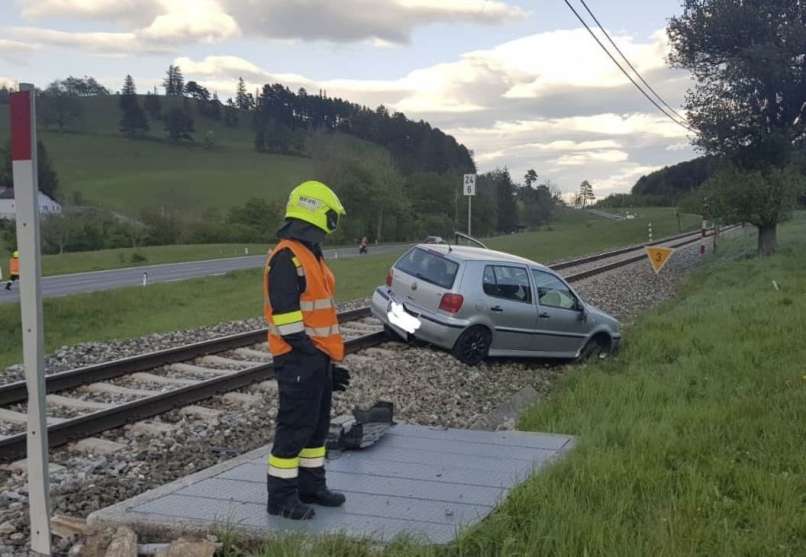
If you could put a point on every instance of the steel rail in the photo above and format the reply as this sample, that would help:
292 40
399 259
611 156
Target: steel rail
14 446
624 262
16 392
621 251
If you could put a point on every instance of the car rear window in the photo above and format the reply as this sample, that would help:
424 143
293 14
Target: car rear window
428 266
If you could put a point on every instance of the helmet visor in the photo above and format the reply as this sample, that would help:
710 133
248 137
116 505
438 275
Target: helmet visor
332 220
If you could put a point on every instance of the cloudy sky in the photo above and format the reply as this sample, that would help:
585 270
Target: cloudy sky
520 82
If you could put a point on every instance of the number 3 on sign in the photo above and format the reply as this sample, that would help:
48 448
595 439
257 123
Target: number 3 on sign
470 184
658 257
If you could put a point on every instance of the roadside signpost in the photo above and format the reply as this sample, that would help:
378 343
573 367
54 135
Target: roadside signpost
26 193
658 256
469 189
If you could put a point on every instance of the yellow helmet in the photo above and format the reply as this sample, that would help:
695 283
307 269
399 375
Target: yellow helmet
315 203
15 255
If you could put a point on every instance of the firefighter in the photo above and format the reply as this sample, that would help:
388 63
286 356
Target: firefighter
304 339
13 269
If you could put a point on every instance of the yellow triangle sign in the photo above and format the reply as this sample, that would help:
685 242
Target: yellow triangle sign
658 257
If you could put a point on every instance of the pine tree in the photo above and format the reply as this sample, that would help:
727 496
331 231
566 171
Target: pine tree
174 82
179 81
134 121
153 106
128 94
241 96
231 114
179 124
168 82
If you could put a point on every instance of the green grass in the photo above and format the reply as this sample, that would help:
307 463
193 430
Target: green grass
127 176
690 442
148 255
577 232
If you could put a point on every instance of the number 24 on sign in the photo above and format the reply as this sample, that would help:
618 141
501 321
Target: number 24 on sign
658 257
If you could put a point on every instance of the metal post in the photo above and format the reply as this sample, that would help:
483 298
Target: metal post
26 193
469 213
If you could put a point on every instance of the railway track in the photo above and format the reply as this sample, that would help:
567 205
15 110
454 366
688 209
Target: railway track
625 256
87 400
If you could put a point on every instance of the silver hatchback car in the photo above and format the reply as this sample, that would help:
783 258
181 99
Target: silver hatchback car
478 302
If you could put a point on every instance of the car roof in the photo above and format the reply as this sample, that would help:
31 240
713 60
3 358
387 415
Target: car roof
469 253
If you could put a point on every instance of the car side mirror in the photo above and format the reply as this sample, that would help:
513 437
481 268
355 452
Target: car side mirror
583 313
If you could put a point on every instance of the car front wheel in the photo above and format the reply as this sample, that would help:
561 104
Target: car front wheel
597 348
473 345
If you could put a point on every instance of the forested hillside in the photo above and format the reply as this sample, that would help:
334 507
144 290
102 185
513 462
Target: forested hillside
185 167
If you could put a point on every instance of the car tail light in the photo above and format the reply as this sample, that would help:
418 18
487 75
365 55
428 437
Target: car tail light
451 303
389 278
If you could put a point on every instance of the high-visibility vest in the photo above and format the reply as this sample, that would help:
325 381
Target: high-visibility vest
13 266
317 314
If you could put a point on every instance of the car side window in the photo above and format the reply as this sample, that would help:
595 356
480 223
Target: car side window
552 292
511 283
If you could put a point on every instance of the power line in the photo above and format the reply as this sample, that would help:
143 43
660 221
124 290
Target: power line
624 57
616 62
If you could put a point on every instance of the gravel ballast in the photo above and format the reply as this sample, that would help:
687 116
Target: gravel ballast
427 386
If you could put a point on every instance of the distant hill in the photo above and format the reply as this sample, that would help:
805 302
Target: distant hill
673 182
220 169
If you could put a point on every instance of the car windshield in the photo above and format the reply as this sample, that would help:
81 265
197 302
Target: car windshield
429 266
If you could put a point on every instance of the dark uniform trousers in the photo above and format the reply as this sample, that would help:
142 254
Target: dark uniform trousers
305 385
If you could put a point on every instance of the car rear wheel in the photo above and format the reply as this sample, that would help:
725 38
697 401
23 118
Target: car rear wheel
473 345
597 348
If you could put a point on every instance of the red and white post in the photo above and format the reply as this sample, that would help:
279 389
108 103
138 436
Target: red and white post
26 193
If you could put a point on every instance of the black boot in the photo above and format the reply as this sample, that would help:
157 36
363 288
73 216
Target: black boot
313 488
324 498
284 500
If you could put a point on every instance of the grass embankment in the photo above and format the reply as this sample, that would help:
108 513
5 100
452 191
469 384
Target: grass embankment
149 255
690 442
194 303
125 175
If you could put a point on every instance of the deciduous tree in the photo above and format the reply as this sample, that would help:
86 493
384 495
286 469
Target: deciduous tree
749 102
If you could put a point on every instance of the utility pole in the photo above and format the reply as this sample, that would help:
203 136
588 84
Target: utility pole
26 199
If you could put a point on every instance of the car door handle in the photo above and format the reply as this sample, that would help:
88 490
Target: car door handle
544 315
496 308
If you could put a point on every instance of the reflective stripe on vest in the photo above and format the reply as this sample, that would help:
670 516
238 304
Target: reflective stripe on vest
322 331
323 303
317 306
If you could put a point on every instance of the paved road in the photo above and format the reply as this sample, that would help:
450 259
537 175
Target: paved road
63 285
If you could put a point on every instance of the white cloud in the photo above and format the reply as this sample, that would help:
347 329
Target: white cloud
15 52
578 159
151 25
105 43
623 179
88 9
391 21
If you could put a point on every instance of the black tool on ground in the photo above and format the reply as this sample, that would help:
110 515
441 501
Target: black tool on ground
361 430
341 378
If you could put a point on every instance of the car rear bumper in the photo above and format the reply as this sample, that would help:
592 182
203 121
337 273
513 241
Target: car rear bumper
435 329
